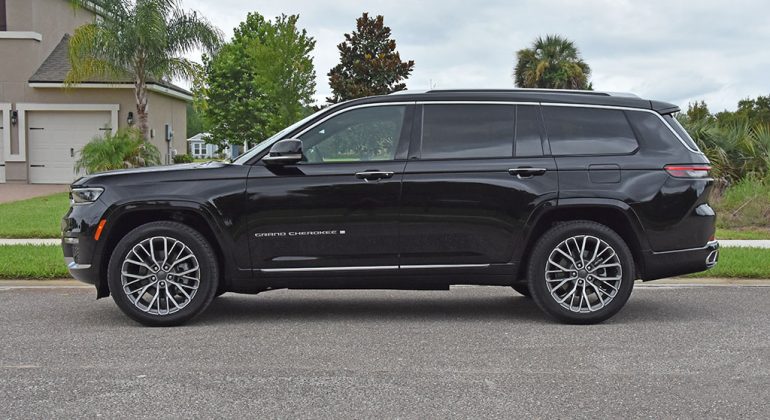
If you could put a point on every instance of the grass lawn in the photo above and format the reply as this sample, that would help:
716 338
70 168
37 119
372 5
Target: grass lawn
756 233
38 217
45 262
32 262
750 263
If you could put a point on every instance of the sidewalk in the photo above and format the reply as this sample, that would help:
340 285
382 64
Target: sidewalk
724 243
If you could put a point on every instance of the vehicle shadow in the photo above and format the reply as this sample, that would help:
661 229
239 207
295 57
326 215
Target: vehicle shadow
235 308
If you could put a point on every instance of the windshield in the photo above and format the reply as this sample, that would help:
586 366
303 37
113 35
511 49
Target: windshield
261 146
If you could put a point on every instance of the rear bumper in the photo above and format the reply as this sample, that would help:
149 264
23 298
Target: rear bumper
658 265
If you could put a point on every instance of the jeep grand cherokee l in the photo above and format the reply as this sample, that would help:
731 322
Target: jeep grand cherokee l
568 197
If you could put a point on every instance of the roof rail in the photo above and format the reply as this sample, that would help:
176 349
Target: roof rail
407 92
533 90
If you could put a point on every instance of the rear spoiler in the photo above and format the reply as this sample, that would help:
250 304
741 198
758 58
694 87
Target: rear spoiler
664 108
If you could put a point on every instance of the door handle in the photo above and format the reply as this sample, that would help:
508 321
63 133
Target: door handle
526 172
373 175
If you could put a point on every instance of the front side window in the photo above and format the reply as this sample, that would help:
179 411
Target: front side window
455 131
588 131
359 135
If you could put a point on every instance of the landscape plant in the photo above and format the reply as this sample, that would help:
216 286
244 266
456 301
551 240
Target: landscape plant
124 149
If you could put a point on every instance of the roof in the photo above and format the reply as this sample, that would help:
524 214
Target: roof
526 95
201 137
55 67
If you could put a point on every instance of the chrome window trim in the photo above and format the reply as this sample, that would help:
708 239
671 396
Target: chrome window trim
407 103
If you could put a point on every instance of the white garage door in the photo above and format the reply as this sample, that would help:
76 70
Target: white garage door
2 158
54 140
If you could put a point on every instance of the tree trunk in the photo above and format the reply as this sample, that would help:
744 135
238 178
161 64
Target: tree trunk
140 91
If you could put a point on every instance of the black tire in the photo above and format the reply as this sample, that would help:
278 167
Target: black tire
596 232
523 289
193 302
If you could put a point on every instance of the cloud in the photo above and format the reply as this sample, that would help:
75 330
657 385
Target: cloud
672 51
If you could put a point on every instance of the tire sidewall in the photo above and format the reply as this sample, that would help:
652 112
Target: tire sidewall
199 247
542 251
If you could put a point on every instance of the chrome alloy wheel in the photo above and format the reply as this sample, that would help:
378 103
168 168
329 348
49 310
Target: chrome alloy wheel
160 275
583 274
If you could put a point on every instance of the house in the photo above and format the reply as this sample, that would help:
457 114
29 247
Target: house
43 125
199 149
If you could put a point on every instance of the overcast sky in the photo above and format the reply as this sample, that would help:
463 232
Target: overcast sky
677 51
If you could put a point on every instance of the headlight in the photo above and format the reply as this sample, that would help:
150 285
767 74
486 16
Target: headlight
85 195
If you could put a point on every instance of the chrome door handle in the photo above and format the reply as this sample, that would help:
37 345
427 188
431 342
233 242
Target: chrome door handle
526 172
373 175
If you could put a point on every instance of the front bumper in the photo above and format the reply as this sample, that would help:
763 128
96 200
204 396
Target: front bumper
658 265
78 244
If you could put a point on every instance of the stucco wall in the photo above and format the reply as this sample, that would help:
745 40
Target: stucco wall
21 57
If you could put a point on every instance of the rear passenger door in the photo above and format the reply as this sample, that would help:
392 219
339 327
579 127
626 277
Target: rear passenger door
469 188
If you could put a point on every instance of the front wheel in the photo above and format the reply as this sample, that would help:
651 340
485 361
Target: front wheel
163 274
581 272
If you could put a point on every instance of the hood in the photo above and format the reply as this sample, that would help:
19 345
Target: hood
164 172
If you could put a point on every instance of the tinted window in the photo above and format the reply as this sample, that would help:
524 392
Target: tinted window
681 131
652 132
360 135
467 131
528 140
588 131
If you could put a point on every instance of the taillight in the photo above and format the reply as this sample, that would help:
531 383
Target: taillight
688 171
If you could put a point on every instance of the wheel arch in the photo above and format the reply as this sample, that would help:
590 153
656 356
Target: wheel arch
615 214
129 216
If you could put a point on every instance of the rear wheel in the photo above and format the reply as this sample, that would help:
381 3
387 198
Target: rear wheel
581 272
163 274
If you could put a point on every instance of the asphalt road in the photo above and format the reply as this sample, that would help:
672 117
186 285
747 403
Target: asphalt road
471 352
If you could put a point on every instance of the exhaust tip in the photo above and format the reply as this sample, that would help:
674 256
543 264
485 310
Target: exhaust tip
711 259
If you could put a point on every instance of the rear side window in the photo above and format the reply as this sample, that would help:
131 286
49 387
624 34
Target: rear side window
653 133
588 131
467 131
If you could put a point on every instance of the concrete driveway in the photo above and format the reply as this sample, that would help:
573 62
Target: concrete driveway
472 352
16 192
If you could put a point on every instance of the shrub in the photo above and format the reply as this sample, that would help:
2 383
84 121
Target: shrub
124 149
183 159
746 204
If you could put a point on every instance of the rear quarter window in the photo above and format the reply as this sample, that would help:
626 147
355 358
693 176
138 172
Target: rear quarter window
681 132
588 131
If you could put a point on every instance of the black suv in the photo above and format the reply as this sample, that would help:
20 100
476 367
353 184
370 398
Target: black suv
568 197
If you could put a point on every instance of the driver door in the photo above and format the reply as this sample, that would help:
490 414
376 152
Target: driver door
337 209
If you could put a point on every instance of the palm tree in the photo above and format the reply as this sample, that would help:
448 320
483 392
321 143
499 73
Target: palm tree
144 40
552 62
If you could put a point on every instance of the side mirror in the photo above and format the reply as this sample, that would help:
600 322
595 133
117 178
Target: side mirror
285 152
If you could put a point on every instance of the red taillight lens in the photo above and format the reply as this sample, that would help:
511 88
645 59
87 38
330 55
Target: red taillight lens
688 171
